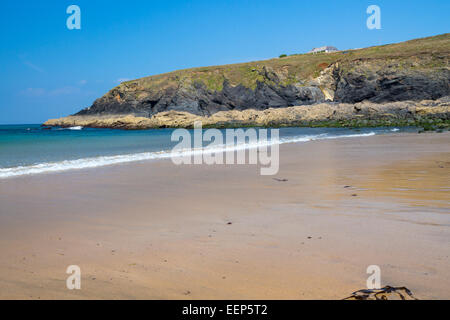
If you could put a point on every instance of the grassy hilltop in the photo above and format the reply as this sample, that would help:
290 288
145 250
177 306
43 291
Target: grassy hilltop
298 67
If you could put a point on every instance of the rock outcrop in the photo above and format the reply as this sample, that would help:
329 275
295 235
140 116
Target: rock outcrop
324 114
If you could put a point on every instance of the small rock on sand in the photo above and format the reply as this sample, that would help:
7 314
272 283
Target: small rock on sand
280 180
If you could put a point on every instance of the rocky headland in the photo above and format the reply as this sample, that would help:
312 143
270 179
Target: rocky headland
406 83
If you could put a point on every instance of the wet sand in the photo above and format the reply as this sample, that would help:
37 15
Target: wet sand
154 230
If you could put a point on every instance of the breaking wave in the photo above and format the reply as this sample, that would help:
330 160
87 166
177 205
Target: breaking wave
101 161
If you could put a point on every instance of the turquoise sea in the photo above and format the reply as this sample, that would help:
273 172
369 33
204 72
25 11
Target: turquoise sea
31 149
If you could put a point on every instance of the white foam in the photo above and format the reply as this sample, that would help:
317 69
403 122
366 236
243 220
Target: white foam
76 128
94 162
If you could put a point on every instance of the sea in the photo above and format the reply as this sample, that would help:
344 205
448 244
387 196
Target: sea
32 149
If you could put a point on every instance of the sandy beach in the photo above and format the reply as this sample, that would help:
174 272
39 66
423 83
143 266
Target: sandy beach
154 230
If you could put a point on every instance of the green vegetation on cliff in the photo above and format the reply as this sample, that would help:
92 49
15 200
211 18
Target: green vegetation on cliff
425 53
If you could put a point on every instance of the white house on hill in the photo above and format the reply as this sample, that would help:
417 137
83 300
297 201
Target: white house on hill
325 49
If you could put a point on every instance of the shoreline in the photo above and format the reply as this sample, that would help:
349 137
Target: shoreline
109 160
304 238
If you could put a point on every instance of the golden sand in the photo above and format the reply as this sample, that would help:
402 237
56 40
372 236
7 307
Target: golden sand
154 230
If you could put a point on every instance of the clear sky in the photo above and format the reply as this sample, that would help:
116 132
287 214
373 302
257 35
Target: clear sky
49 71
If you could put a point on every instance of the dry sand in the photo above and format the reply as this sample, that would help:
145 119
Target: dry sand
158 231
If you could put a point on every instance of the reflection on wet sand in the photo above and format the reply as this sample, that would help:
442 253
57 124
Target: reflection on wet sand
420 182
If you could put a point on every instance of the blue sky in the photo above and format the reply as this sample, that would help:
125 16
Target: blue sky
48 71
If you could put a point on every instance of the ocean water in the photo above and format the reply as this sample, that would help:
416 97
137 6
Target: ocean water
30 149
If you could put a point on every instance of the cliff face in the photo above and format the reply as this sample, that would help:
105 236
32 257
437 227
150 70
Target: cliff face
413 70
196 98
380 81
